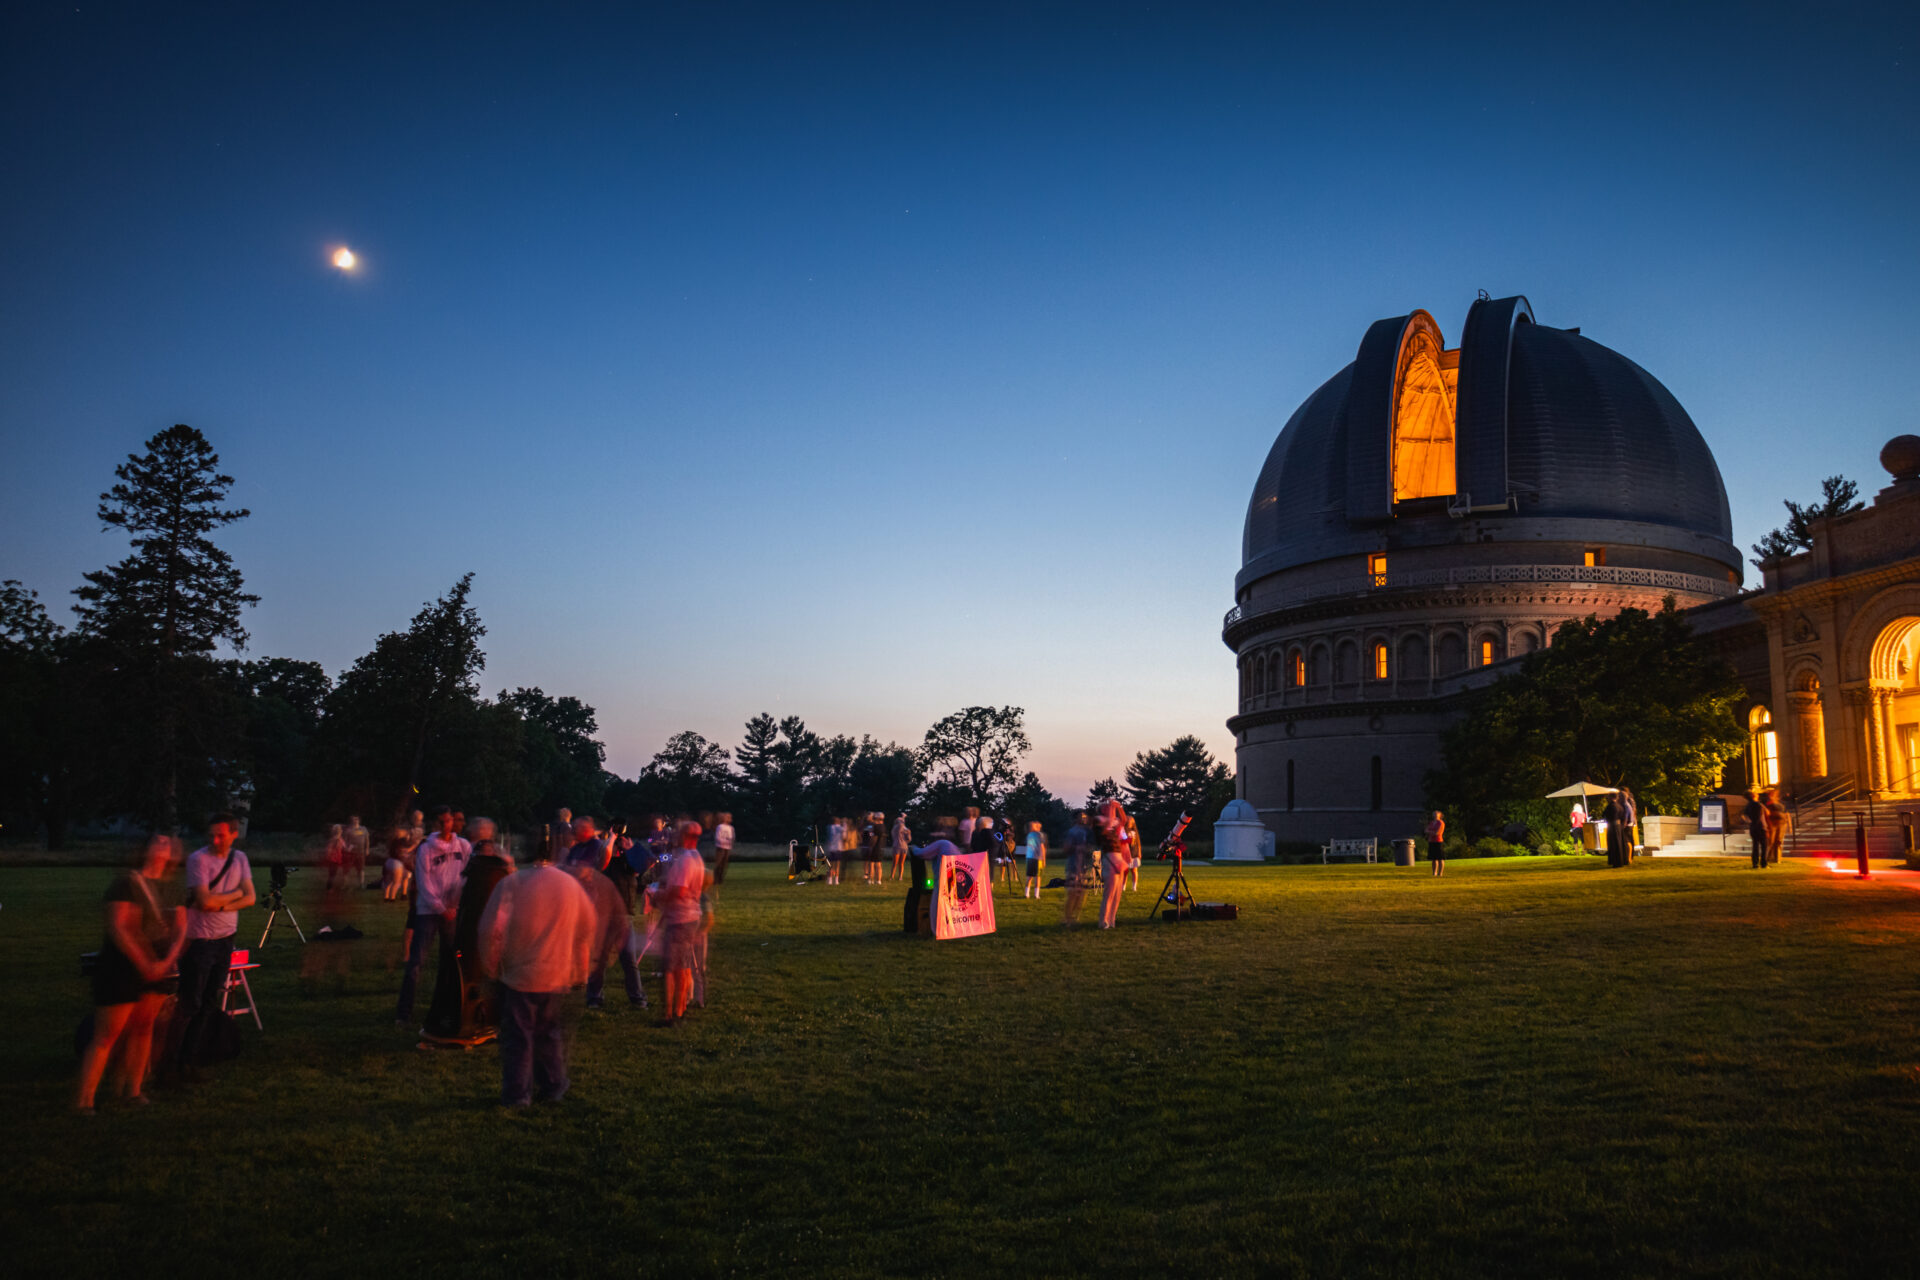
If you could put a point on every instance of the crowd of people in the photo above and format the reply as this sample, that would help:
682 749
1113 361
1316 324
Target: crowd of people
503 940
508 939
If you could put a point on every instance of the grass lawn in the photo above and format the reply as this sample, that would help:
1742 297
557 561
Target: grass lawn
1533 1066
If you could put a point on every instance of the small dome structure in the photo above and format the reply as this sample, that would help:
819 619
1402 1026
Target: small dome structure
1240 836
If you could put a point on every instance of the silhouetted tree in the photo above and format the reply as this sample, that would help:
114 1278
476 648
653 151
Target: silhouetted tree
160 612
1180 777
977 750
1839 496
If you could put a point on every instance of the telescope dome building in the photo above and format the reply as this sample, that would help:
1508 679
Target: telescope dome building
1431 513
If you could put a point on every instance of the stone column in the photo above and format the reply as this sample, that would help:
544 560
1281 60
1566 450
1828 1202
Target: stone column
1877 739
1809 729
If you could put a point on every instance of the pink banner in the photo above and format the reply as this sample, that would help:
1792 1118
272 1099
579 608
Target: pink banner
963 902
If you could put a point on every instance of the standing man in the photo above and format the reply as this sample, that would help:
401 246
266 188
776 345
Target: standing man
358 844
722 847
1077 851
437 866
1756 816
1778 820
587 848
535 939
561 833
219 883
1114 859
1436 842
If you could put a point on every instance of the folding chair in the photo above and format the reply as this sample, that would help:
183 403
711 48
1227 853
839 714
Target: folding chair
237 977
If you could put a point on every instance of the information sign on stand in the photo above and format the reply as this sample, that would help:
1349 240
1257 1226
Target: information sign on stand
1713 816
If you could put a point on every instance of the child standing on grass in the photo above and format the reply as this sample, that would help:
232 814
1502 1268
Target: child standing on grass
1036 859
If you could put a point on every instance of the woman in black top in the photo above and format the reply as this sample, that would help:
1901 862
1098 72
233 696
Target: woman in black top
133 975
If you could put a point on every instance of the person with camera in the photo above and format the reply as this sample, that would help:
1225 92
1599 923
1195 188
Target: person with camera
437 867
219 884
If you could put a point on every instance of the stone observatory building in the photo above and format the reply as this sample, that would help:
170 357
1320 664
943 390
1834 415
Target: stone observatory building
1430 513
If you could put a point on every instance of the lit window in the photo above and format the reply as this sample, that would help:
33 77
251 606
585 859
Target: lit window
1379 662
1594 556
1377 567
1299 669
1423 413
1486 653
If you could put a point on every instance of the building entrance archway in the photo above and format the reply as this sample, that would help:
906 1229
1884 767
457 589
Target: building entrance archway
1893 710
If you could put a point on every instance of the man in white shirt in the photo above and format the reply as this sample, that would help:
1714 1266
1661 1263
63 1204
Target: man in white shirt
219 883
437 866
536 939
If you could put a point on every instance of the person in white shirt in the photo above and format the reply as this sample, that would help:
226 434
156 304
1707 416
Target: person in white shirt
219 884
437 867
536 939
836 850
685 880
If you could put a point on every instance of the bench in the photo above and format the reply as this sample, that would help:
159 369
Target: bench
1367 850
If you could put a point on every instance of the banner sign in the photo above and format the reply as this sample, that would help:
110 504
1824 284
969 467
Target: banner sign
963 900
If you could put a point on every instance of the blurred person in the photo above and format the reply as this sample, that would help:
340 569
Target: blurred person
685 879
1757 833
874 836
438 864
460 1010
562 832
535 939
133 974
588 848
982 840
926 870
1629 819
359 848
1036 859
333 859
836 850
417 828
722 847
1079 869
968 821
1437 842
396 879
219 884
1779 822
902 842
1133 853
612 935
1611 814
1114 859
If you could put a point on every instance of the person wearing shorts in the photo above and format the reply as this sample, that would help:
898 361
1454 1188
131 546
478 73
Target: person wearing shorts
686 879
1036 856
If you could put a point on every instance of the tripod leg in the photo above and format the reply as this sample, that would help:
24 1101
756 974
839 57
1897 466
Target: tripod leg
295 922
268 931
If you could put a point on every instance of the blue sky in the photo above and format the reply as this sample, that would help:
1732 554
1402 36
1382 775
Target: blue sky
867 362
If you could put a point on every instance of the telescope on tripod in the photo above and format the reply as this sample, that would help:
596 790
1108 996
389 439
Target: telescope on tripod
1175 889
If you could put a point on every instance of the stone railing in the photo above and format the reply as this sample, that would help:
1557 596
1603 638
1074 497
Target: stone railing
1591 575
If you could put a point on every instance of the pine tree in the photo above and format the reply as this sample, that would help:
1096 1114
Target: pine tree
161 611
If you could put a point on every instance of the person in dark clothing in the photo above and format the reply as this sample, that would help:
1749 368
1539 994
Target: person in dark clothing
1615 815
462 1008
1756 816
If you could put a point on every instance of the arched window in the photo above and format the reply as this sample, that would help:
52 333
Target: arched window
1379 659
1763 749
1487 656
1299 669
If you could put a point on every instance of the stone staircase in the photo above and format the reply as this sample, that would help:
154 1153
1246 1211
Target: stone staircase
1733 845
1827 830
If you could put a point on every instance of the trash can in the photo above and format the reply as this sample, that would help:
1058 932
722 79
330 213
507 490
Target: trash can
1403 853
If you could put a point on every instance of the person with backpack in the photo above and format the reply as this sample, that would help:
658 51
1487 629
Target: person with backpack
219 885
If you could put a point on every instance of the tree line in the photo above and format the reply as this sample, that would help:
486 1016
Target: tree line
134 713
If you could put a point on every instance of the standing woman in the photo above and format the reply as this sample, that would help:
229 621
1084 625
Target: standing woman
902 842
1114 860
875 836
1133 853
133 975
1437 843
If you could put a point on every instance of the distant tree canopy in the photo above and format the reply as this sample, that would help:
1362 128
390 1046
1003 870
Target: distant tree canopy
1182 777
1633 700
976 753
1839 496
136 714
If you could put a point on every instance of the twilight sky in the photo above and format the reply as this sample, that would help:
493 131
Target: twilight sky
866 362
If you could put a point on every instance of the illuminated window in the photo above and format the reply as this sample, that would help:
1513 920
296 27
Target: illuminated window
1423 413
1377 568
1763 748
1594 556
1486 653
1299 669
1379 661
